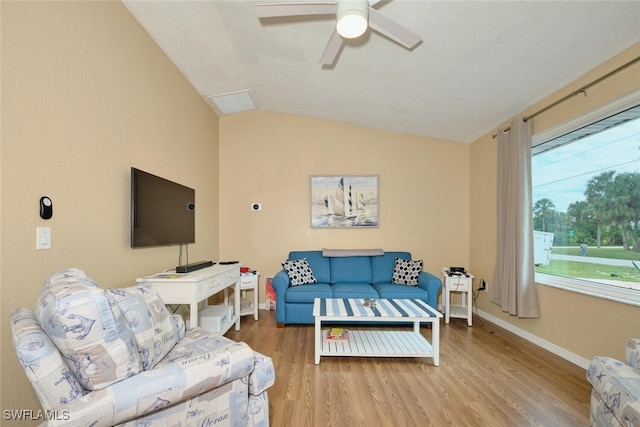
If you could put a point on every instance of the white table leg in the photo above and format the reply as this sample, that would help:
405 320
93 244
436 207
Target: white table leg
255 301
318 339
193 315
435 338
236 305
447 303
469 304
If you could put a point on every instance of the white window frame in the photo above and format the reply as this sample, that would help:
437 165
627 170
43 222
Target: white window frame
598 290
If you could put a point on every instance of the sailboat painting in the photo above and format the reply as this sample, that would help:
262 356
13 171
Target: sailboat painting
344 201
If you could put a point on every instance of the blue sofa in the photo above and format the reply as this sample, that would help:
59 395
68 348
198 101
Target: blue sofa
346 277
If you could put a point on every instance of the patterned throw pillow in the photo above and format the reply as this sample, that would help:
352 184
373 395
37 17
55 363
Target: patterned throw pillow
406 272
154 329
299 272
91 334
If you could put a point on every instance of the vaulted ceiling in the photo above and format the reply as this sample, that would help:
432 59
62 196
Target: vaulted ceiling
480 62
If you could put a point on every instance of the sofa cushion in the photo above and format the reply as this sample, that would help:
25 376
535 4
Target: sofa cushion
319 264
406 272
392 291
354 290
299 272
355 269
382 266
307 293
154 329
92 336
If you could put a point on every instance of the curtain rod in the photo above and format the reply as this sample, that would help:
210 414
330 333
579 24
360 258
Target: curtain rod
583 90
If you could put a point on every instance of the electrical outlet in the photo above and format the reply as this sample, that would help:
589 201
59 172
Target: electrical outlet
483 286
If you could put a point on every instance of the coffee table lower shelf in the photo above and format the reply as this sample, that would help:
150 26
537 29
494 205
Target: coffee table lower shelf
376 343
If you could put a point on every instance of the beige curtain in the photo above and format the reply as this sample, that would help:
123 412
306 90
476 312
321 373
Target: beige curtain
513 281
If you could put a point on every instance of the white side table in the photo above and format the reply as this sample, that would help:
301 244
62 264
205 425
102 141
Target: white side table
463 285
249 281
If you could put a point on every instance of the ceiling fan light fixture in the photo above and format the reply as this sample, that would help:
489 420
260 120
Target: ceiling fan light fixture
352 18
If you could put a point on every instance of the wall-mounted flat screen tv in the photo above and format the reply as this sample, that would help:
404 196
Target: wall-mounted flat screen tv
162 211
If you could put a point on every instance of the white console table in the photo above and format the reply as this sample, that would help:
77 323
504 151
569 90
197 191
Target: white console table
197 286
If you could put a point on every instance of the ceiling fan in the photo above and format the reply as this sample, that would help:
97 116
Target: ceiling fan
353 17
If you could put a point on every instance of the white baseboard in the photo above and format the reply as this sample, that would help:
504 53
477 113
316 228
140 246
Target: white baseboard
557 350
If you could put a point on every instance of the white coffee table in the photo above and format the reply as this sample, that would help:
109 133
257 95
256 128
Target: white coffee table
377 343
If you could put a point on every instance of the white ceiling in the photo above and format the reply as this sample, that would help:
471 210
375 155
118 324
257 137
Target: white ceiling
480 62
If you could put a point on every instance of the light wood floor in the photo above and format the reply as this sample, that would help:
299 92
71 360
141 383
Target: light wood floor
487 377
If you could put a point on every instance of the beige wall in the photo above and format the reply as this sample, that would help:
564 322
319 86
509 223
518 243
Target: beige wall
268 158
86 94
582 325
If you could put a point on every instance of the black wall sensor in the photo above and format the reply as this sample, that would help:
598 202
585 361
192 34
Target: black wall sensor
46 207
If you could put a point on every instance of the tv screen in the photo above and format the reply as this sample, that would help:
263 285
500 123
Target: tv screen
162 211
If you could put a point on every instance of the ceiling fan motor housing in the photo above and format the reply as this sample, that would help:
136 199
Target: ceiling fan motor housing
352 17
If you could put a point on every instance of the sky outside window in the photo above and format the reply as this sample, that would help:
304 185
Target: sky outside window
561 174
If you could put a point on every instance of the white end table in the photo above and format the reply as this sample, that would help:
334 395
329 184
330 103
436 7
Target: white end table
462 284
249 281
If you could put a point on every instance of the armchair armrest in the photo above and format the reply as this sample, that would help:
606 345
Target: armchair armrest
263 375
432 284
616 383
198 363
632 352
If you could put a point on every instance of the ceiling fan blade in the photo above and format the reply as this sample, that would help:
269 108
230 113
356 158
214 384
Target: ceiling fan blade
392 29
333 48
274 10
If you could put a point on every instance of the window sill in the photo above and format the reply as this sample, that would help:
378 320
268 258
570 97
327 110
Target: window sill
598 290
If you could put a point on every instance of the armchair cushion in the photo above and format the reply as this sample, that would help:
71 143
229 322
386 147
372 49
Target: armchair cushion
92 336
154 329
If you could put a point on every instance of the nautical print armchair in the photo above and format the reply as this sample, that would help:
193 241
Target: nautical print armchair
615 397
118 357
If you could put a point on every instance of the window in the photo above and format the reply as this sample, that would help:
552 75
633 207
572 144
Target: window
586 203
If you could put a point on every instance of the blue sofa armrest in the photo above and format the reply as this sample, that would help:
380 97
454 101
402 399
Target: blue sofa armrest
432 284
280 283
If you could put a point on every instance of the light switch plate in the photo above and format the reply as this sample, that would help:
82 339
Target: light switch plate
43 238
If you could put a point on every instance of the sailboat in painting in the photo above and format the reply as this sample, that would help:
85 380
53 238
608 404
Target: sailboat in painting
346 202
342 201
